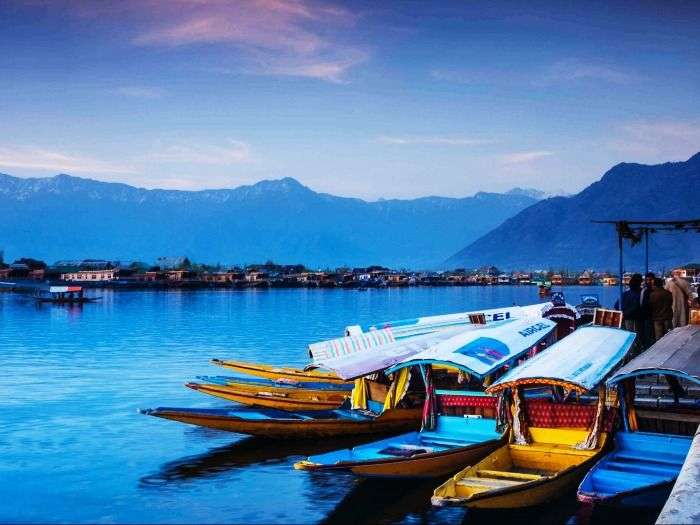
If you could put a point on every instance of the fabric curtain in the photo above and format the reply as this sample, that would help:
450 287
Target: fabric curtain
504 417
521 435
628 396
398 388
591 441
430 405
359 394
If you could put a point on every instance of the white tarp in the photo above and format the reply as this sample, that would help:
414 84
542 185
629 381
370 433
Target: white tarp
582 359
482 351
421 325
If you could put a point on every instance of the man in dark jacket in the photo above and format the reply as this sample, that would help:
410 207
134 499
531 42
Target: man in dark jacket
661 309
632 309
647 328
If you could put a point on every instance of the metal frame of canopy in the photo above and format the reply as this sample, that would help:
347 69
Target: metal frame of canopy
636 230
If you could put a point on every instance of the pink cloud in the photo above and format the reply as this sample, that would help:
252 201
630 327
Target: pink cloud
285 37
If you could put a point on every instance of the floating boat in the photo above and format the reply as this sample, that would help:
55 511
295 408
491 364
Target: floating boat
62 295
554 441
279 424
361 338
284 395
278 372
644 464
464 428
369 412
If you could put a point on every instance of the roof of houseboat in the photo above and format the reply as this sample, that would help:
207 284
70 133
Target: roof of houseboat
677 353
580 361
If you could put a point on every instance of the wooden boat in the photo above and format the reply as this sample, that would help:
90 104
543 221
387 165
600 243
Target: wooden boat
647 458
62 295
465 428
359 339
279 372
275 394
278 424
368 413
553 443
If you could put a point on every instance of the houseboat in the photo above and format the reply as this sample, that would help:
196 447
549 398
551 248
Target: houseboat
62 295
585 279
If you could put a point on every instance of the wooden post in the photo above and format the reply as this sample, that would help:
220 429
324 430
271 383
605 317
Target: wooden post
619 244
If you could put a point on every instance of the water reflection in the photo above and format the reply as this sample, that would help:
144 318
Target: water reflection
243 453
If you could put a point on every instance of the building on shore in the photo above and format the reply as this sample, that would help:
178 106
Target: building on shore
91 275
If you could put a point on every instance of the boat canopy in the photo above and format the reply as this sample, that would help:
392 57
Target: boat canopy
421 325
64 289
360 363
579 362
676 354
480 352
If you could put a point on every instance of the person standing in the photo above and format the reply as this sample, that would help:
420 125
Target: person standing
680 290
661 308
632 311
647 328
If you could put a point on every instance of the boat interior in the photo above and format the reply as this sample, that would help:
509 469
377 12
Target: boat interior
555 431
551 452
451 431
640 459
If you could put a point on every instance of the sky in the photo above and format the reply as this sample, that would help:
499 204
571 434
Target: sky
366 99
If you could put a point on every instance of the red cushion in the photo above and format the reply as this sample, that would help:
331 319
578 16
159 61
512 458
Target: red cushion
447 400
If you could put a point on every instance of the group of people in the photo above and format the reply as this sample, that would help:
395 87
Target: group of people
651 306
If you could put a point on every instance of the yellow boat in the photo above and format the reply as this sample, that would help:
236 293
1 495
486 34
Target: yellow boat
553 443
283 397
522 475
279 372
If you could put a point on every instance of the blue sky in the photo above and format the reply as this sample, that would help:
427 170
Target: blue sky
367 99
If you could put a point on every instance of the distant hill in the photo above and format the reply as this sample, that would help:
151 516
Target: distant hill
68 217
558 233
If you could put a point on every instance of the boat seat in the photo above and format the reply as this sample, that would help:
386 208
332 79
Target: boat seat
556 448
487 483
657 458
503 474
643 468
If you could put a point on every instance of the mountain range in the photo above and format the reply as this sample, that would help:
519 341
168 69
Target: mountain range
65 217
558 232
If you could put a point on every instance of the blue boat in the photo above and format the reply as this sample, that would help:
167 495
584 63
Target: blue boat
459 426
646 460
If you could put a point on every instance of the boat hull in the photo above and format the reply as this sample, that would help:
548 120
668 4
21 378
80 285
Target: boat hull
425 466
277 424
279 372
283 398
491 485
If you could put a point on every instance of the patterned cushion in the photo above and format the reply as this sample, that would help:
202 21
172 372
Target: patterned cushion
446 400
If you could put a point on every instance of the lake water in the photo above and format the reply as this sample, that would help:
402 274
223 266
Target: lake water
74 449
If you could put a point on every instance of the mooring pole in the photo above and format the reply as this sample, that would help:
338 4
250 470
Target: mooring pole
619 244
646 251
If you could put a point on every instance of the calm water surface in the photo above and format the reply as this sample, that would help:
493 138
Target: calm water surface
74 449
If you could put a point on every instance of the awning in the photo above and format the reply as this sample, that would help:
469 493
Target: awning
580 361
677 354
421 325
358 364
483 350
63 289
